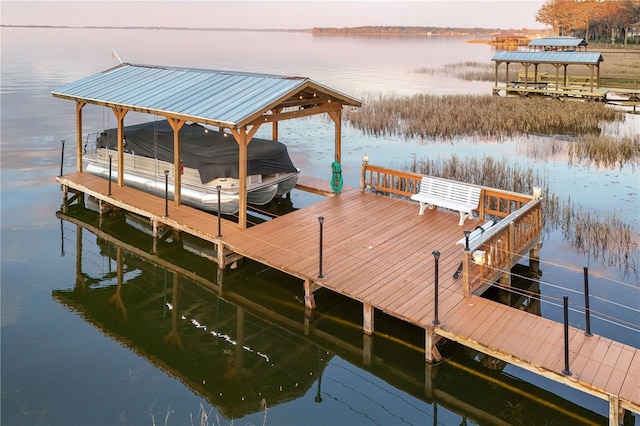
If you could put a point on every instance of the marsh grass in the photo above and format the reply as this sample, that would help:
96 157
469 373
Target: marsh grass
605 238
604 152
447 117
203 416
600 236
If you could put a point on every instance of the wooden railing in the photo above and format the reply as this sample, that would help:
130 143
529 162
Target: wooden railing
389 181
494 203
493 254
498 249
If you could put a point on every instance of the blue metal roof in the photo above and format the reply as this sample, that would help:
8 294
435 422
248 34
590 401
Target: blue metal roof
223 98
585 58
558 41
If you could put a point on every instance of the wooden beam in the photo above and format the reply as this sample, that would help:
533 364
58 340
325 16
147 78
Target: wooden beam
309 302
274 125
614 410
176 125
288 115
120 113
336 116
431 353
367 320
79 106
240 136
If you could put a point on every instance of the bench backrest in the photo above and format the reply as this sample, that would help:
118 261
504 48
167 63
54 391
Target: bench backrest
450 190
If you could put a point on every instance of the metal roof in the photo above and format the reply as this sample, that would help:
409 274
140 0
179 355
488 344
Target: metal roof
558 41
223 98
584 58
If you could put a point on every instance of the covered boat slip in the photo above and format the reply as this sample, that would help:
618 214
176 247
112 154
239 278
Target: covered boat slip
214 154
236 102
208 164
533 80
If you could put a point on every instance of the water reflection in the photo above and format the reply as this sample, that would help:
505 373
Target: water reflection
244 339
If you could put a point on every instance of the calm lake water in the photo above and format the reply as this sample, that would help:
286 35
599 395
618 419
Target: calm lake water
79 347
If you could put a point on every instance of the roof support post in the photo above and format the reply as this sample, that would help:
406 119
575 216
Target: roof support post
79 106
242 175
274 125
120 113
176 125
336 116
506 78
557 67
243 136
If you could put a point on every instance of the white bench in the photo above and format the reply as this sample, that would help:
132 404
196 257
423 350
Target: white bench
448 194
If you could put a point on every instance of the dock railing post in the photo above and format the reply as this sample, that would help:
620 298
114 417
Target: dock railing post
166 193
109 175
218 188
566 370
587 311
363 172
321 220
62 157
436 257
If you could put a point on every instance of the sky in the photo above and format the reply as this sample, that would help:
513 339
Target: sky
265 14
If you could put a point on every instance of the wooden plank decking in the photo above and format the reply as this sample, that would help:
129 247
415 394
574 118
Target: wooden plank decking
378 250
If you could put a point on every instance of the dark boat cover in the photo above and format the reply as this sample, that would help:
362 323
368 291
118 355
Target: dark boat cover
214 155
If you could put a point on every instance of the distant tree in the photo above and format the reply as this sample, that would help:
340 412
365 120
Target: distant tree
590 17
547 15
561 15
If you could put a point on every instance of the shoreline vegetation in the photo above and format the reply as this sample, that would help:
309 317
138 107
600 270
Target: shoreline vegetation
410 31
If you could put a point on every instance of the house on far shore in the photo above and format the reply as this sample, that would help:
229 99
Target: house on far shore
509 40
558 43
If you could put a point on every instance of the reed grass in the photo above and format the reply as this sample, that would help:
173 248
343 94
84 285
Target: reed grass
203 417
447 117
605 152
601 236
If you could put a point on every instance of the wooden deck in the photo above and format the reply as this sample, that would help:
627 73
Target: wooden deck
378 250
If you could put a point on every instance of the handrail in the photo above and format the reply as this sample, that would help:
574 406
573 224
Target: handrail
499 248
493 202
387 180
517 232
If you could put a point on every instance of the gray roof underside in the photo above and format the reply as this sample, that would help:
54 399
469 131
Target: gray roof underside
558 42
219 97
584 58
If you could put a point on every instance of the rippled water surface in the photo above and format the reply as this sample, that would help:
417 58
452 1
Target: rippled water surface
95 331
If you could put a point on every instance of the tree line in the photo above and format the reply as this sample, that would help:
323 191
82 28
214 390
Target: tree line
591 19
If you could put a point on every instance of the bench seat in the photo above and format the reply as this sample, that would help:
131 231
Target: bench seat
448 194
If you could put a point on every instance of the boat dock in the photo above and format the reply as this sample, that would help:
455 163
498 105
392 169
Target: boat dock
369 245
376 249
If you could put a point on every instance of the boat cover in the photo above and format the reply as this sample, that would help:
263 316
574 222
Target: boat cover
214 155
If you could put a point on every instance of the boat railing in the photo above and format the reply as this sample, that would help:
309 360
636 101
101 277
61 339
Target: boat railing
90 143
154 169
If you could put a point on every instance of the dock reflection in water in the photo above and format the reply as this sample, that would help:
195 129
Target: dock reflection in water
245 340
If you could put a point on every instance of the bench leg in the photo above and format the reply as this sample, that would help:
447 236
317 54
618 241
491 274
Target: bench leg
463 216
423 205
